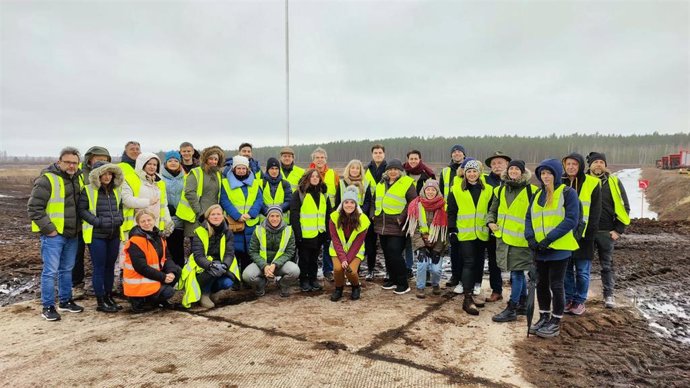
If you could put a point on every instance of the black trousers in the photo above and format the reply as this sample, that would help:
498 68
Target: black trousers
393 247
472 253
495 280
308 259
370 248
456 262
550 277
176 246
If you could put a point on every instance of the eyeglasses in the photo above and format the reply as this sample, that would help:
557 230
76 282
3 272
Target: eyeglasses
69 163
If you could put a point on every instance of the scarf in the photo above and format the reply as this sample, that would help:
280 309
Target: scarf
438 225
421 167
357 182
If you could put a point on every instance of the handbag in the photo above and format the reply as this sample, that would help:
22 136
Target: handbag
235 226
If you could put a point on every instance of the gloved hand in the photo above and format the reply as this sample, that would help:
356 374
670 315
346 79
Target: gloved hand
532 243
543 244
422 254
216 269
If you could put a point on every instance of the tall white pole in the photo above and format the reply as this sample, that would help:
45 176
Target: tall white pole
287 76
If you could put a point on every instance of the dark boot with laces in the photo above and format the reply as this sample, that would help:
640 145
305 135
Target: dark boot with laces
507 315
337 294
103 306
468 304
356 290
543 318
550 329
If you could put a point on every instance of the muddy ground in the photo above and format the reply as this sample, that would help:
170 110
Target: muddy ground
382 340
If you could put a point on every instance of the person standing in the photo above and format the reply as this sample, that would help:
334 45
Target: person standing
348 226
420 172
288 169
353 175
374 171
448 175
276 190
577 274
506 219
52 209
392 196
100 208
319 159
615 211
550 222
190 157
174 176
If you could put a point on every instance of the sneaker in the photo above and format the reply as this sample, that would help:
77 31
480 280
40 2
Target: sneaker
370 275
543 319
50 314
70 306
459 289
610 302
436 290
399 290
477 289
550 329
388 285
568 306
420 293
578 309
452 282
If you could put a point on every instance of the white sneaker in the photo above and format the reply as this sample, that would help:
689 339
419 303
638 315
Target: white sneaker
610 302
477 289
458 289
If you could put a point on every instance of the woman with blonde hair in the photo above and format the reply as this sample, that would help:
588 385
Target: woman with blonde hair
353 175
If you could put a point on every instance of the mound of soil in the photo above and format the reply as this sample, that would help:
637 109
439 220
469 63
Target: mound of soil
668 194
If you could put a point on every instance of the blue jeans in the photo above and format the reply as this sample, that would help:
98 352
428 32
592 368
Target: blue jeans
327 261
518 285
103 257
222 283
408 253
58 254
577 280
424 263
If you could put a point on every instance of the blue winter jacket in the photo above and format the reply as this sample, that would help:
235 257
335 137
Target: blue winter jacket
241 239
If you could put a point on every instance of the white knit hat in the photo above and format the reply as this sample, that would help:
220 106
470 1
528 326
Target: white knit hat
239 160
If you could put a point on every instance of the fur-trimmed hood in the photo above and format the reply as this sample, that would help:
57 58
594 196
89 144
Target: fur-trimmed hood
212 150
142 159
524 179
95 175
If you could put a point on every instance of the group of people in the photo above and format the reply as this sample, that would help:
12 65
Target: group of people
250 227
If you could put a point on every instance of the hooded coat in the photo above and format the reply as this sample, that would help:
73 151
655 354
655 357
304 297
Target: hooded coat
40 194
86 166
149 189
586 251
211 188
508 257
108 218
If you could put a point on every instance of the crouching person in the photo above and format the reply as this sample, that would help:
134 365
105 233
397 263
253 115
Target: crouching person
148 276
212 268
272 250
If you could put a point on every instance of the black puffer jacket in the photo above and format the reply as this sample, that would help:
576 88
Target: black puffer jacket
200 256
41 194
586 250
108 218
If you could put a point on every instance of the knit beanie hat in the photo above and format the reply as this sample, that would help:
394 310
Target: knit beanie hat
395 163
272 162
457 147
272 209
173 154
239 160
351 193
430 183
517 163
473 164
596 156
464 162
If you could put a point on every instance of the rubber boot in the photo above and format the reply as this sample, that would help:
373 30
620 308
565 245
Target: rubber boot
468 304
356 291
507 315
103 306
543 318
337 294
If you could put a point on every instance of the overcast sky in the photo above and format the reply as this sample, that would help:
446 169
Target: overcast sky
213 72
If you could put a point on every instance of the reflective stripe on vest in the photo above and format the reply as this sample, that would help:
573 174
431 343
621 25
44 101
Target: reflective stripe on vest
55 208
133 283
422 224
312 219
470 218
445 173
346 244
133 181
92 195
392 201
618 204
546 219
184 209
360 193
294 176
242 203
585 196
511 219
369 178
284 239
329 180
279 196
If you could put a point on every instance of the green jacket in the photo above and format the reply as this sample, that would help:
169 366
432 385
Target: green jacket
40 194
272 243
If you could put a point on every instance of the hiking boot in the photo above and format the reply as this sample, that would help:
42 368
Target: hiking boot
108 299
577 309
468 305
70 306
304 285
420 293
494 297
103 306
550 329
610 302
206 301
139 305
459 289
507 315
477 289
452 282
568 306
356 291
284 288
521 308
315 285
436 290
329 276
388 285
370 275
337 294
399 290
543 319
260 288
50 314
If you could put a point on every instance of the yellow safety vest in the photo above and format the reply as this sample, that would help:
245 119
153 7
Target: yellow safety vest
329 180
260 232
294 176
184 209
369 177
392 202
55 208
447 183
128 213
277 201
585 196
188 281
363 226
511 219
360 194
312 219
92 195
618 204
546 219
470 219
242 203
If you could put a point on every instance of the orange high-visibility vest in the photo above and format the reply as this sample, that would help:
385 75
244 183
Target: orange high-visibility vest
133 283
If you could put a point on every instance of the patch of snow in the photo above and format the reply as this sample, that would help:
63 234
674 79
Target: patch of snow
639 207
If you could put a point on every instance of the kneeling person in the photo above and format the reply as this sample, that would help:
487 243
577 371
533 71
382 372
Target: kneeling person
148 276
272 250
